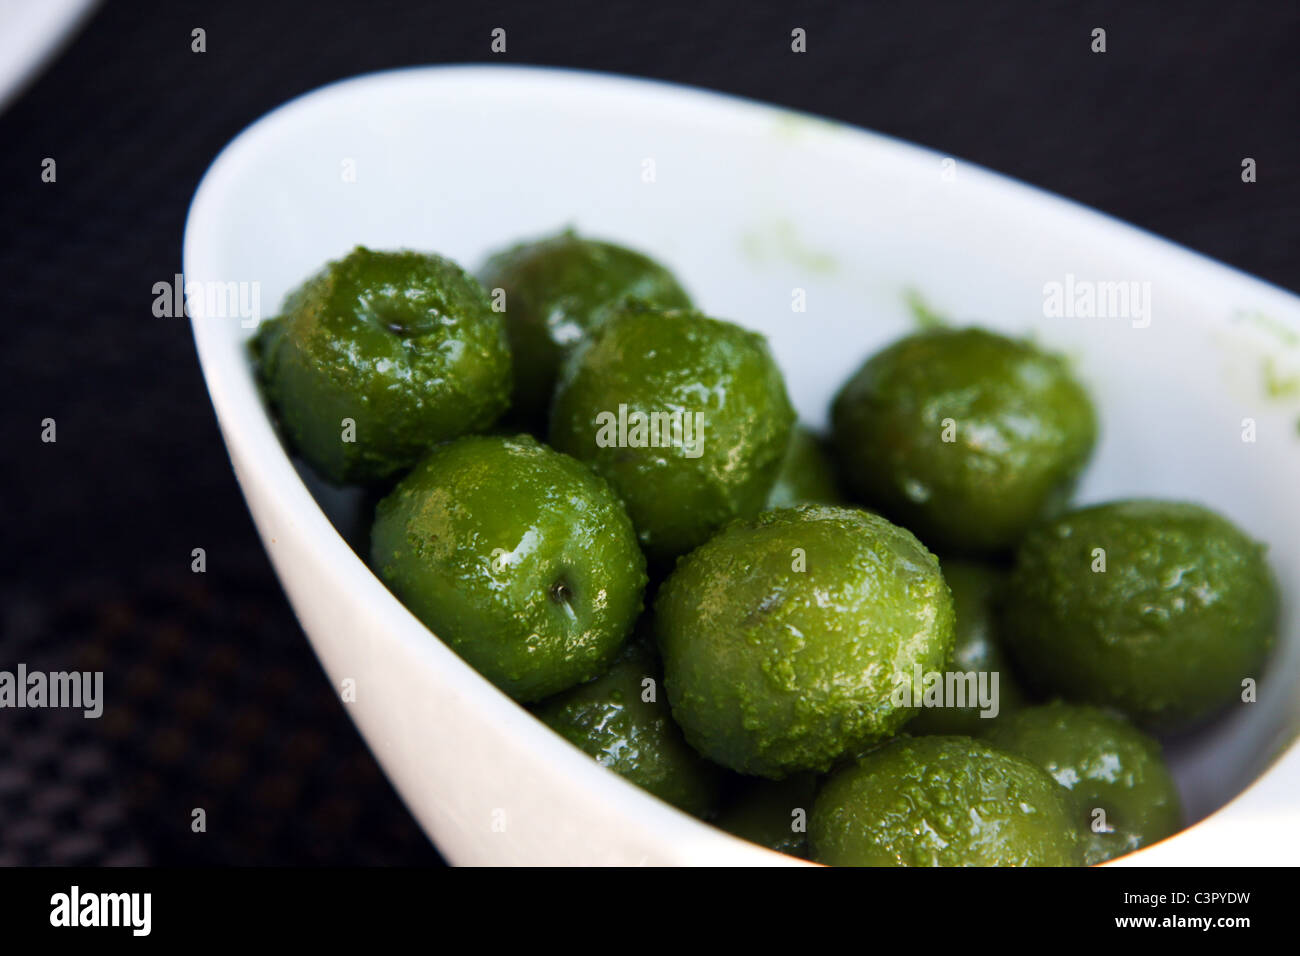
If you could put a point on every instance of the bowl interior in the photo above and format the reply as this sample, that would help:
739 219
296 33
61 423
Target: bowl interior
819 235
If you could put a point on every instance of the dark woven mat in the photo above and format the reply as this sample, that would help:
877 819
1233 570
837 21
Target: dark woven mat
212 701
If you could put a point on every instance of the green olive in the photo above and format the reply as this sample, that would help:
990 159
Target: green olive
622 720
1124 795
1163 610
516 556
975 651
686 416
964 436
807 475
943 801
553 291
786 639
378 358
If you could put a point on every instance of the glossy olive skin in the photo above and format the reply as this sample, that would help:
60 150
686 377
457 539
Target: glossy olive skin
517 557
717 378
1021 430
773 813
611 720
1185 610
558 288
943 801
807 475
975 589
1107 764
786 637
403 344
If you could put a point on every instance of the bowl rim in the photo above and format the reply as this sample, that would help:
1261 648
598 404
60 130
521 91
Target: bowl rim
249 435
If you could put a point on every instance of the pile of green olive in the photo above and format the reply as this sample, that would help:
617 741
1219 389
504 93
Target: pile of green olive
899 645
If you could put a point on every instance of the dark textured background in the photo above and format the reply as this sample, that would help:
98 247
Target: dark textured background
214 698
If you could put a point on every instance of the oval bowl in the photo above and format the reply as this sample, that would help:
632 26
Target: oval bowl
758 210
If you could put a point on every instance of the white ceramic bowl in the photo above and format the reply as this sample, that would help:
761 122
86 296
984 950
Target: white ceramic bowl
747 203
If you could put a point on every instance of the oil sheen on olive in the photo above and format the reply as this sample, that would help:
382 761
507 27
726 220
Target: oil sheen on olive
943 801
787 637
975 651
964 436
380 356
555 290
1124 795
622 720
686 416
1158 609
516 556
